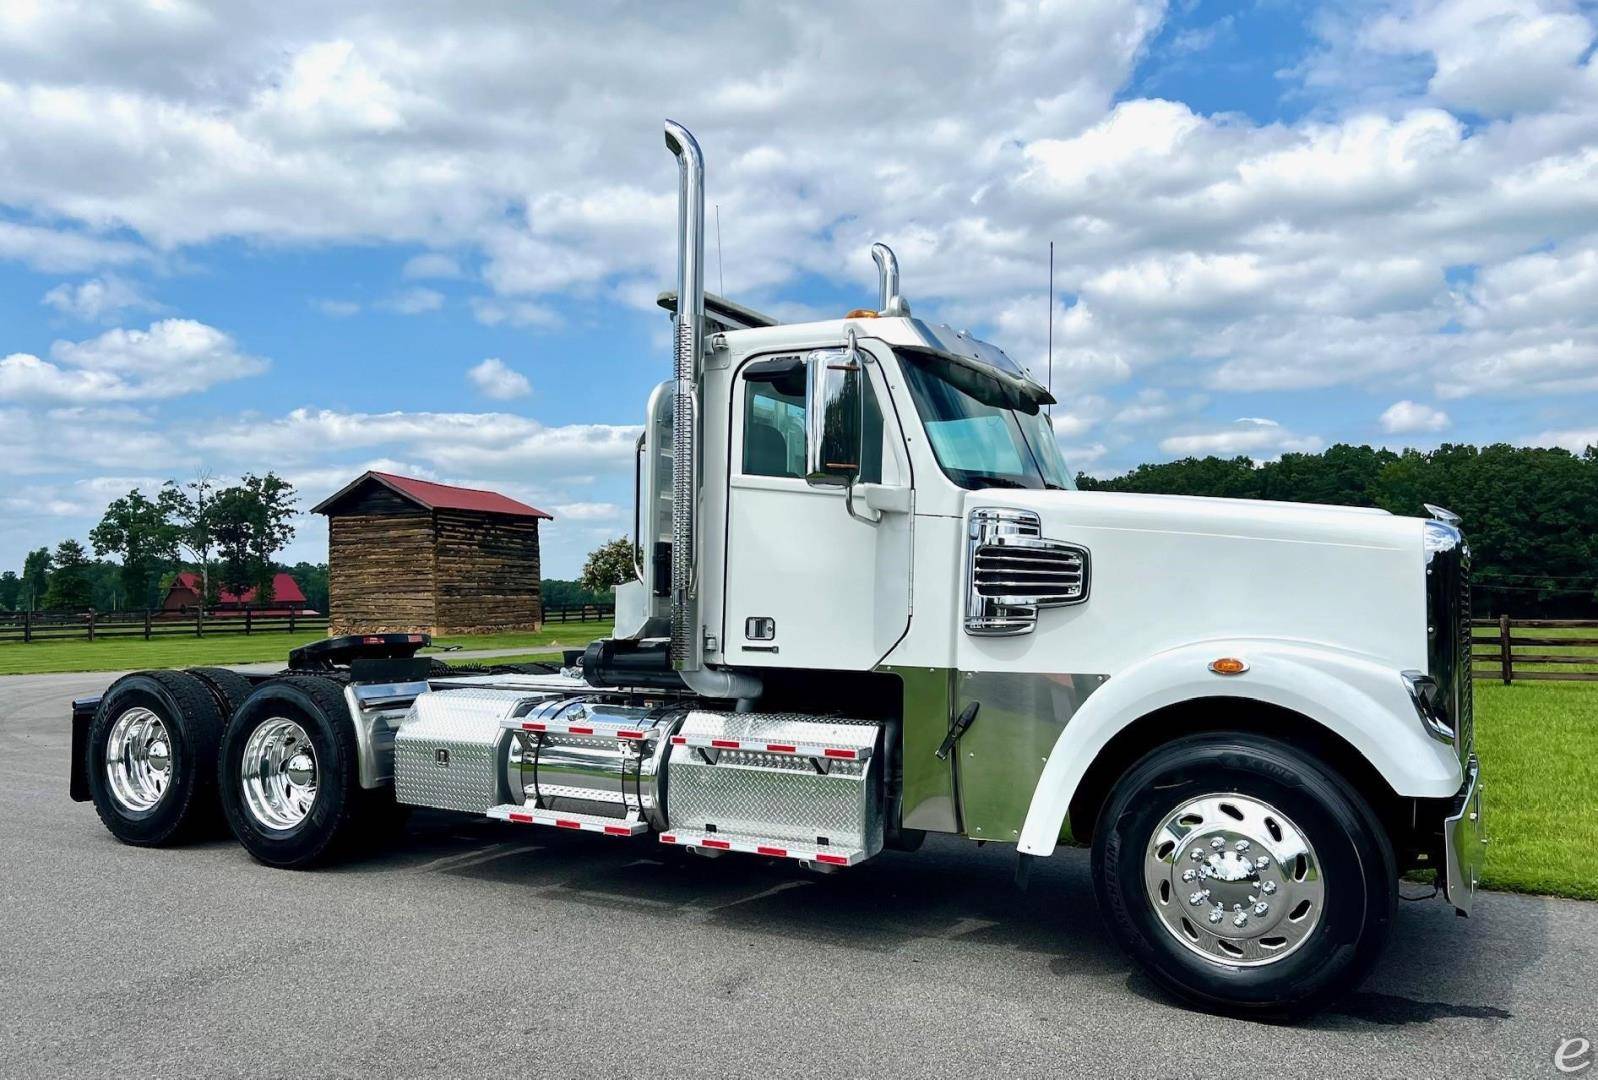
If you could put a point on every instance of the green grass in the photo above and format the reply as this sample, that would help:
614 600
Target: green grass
128 654
1538 744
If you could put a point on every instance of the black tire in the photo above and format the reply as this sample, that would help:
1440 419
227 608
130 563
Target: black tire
1357 869
187 808
228 687
341 810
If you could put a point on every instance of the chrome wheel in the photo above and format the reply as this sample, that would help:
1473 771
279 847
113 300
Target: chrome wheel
1234 880
279 774
138 759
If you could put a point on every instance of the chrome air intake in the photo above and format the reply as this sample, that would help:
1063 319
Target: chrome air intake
687 644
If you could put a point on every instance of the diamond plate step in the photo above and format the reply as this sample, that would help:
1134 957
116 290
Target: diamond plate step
527 815
756 845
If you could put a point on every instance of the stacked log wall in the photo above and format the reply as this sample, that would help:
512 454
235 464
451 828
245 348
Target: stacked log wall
487 573
381 576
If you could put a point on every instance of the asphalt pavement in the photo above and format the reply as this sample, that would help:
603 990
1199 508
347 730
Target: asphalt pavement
475 948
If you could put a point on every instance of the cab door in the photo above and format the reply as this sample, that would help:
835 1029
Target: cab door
810 585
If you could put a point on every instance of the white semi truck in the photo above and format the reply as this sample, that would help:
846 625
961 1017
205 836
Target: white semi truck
870 605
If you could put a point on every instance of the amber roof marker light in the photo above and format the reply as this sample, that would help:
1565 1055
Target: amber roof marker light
1228 665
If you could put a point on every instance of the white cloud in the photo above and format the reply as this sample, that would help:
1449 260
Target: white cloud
1576 441
337 309
431 264
63 250
1251 435
514 313
587 511
174 357
493 378
96 298
478 444
1410 417
417 301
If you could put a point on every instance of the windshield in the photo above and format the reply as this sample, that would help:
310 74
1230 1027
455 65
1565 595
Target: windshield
981 434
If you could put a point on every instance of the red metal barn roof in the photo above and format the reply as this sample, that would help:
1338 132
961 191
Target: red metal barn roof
285 590
431 496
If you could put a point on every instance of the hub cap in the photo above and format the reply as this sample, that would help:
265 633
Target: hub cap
1234 880
279 771
138 759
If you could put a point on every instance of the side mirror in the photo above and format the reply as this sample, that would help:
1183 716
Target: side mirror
834 416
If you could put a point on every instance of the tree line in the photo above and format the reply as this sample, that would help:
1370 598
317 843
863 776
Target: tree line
1530 514
229 535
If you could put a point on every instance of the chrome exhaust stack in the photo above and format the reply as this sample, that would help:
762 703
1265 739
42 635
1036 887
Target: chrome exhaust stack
889 299
687 643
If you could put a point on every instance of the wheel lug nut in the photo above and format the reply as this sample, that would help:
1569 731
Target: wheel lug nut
1196 899
1215 915
1240 920
1268 888
1195 854
1241 845
1189 874
1262 862
1217 843
1261 908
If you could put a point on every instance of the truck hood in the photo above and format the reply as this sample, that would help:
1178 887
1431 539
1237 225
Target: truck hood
1256 518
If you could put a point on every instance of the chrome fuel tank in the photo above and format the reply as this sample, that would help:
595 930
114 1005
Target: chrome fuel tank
582 757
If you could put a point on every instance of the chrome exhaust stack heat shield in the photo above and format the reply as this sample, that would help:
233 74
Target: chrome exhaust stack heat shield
687 642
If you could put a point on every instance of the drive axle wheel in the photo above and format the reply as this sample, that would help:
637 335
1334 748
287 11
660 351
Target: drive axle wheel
289 774
152 758
1244 876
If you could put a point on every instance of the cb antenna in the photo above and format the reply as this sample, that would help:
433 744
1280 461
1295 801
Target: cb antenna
1051 324
721 279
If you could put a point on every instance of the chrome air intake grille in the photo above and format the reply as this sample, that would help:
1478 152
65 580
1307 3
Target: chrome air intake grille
1013 570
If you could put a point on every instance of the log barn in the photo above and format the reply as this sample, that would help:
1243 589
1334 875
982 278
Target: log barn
412 555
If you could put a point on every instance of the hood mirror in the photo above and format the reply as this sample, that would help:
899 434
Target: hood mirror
834 414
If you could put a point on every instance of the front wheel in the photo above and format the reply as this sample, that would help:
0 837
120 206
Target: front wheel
1243 875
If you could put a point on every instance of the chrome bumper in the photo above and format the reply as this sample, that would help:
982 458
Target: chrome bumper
1464 842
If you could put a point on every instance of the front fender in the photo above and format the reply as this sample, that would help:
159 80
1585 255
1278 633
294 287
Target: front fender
1364 702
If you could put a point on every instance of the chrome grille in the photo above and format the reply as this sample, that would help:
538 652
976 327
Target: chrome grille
1448 630
1013 570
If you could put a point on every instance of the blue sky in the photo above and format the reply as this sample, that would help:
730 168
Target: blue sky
318 238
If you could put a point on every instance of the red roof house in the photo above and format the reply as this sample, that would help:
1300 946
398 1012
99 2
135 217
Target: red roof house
184 595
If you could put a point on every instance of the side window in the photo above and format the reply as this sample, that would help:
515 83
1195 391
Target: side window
774 433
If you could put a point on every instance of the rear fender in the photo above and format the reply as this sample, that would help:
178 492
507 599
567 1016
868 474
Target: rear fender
1364 702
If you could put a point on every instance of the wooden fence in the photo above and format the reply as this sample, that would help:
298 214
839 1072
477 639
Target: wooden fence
31 626
1501 650
583 613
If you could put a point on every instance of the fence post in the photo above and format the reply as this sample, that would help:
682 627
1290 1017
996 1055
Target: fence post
1505 655
27 626
247 623
199 621
91 624
146 624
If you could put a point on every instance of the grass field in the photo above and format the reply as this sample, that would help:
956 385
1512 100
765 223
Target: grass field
40 657
1538 744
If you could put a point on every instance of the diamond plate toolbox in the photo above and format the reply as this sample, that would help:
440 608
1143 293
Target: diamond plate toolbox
749 792
450 748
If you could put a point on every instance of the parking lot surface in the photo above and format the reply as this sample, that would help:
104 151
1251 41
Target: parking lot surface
475 948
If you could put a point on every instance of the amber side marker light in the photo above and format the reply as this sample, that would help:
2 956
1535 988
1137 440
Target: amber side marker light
1228 665
862 313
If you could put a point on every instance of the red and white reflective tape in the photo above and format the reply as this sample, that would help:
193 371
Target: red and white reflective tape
761 746
773 848
526 815
593 730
